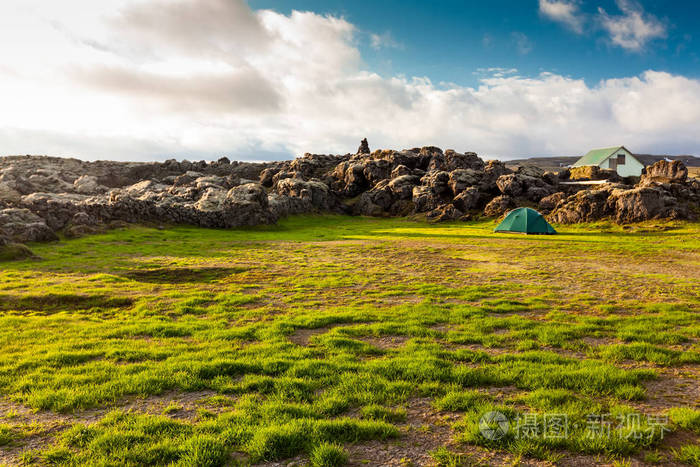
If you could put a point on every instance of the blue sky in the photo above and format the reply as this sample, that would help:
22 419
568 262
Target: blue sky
273 79
450 40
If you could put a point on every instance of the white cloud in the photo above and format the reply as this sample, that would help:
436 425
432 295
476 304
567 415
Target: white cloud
297 83
634 28
563 11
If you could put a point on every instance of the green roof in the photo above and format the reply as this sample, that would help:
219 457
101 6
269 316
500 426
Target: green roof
525 220
596 156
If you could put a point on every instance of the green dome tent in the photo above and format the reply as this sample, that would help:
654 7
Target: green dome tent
525 220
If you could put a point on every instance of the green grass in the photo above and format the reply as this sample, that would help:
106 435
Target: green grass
689 454
328 455
322 331
686 417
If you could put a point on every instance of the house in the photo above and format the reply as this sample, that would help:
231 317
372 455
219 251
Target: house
618 159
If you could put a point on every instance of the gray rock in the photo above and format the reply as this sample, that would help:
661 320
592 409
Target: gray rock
21 225
424 199
88 185
8 193
468 199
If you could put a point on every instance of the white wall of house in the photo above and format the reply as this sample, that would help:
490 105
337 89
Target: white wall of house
630 168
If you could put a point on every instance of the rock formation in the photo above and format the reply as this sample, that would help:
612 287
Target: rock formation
40 196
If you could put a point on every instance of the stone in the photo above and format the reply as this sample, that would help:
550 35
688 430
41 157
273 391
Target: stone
88 185
548 203
461 179
468 199
402 186
400 170
8 193
364 147
584 206
499 206
424 199
22 226
666 172
446 212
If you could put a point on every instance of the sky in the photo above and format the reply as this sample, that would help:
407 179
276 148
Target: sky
273 79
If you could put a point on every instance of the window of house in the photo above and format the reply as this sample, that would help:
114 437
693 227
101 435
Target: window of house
620 159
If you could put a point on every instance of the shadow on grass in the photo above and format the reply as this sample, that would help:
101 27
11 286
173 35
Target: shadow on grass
181 275
54 303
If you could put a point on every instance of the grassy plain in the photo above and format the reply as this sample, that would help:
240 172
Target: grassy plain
333 339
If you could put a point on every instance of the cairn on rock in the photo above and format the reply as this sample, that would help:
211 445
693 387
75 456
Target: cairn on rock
364 147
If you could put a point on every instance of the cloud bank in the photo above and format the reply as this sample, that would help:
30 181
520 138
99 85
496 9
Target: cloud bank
204 78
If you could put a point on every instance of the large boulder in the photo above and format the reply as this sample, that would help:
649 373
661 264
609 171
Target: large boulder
212 199
378 201
644 203
402 186
354 178
665 172
499 206
424 199
548 203
415 159
211 181
145 188
21 225
446 212
400 170
247 205
452 160
8 193
376 170
512 185
249 193
282 205
438 181
46 181
266 176
468 199
314 192
584 206
187 178
492 172
461 179
88 185
527 183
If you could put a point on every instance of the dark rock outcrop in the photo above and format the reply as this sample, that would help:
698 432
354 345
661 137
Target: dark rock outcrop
40 196
498 206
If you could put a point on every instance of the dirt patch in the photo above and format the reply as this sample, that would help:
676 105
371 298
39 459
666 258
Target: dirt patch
423 432
181 275
303 336
386 342
673 388
53 303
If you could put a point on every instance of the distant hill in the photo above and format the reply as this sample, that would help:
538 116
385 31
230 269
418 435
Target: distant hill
563 161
